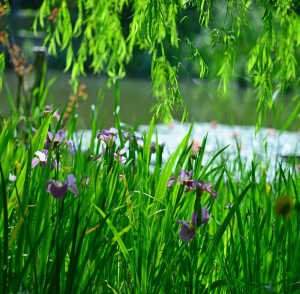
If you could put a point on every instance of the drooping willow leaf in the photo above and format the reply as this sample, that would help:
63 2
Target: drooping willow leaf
153 28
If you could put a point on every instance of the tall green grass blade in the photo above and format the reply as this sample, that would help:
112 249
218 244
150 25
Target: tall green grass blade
161 187
44 92
120 242
117 112
204 170
10 98
4 211
147 147
95 114
227 219
40 137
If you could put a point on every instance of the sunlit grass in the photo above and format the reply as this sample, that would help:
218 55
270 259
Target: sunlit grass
121 235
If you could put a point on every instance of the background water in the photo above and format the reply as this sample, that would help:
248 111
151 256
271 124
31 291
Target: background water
203 100
268 147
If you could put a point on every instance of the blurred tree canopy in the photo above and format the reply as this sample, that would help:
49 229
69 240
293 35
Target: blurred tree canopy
225 39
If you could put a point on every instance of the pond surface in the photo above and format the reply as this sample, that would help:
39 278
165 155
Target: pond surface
269 147
203 100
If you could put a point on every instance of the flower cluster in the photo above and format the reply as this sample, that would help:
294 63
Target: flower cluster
188 229
41 156
110 136
57 140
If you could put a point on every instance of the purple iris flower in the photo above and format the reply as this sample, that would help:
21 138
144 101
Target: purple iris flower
171 181
127 136
202 187
59 136
204 216
71 181
105 136
41 157
108 135
185 179
185 176
119 156
113 131
58 139
188 229
58 189
70 146
190 185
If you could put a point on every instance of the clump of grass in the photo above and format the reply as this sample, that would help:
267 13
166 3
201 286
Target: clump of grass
105 221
